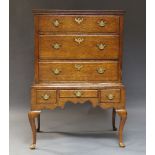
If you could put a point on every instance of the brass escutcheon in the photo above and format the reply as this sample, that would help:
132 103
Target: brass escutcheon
79 40
46 96
56 71
56 46
56 23
78 93
101 46
110 96
102 23
78 66
78 20
101 70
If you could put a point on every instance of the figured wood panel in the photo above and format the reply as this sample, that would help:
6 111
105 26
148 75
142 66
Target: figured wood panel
110 95
90 23
45 96
78 71
78 47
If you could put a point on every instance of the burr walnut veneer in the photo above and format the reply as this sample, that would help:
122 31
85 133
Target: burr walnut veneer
78 58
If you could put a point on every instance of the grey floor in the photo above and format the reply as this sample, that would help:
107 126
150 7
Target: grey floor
77 130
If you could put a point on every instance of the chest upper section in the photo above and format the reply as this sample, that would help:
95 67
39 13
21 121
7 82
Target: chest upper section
86 44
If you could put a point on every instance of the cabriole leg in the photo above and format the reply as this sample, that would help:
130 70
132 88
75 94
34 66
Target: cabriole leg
123 116
32 115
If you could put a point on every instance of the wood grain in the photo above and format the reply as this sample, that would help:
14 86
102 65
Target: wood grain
84 93
114 92
40 94
70 49
68 71
89 23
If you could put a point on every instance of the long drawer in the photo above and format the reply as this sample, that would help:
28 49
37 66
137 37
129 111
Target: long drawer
79 23
78 71
78 47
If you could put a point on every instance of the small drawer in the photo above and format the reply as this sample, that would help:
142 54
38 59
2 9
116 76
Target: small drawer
79 93
110 95
79 23
45 96
78 46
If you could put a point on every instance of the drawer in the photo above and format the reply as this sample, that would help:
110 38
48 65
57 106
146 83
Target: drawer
45 96
78 47
78 93
110 95
78 71
79 23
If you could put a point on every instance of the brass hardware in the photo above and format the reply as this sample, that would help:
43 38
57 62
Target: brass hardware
101 46
78 93
56 23
56 71
78 20
79 40
110 96
46 97
101 70
78 66
56 46
102 23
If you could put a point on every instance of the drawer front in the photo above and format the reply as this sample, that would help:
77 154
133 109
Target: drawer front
78 71
78 47
78 93
81 23
110 95
45 97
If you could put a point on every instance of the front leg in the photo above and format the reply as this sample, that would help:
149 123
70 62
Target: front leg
123 116
32 115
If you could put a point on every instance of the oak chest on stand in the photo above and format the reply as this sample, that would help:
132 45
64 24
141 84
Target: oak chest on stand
78 58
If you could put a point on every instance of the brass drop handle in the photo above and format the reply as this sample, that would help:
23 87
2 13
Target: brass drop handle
78 66
56 23
101 46
110 96
46 96
56 46
79 40
78 20
102 23
56 71
78 93
101 70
